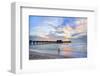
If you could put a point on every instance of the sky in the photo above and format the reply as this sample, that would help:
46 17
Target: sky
54 27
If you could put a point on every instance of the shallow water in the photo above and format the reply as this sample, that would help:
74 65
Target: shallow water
77 50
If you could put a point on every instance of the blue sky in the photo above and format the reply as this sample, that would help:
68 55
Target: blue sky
37 20
46 25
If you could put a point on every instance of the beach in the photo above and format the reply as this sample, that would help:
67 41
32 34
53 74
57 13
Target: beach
37 55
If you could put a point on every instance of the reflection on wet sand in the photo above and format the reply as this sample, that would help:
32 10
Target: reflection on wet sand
67 50
53 51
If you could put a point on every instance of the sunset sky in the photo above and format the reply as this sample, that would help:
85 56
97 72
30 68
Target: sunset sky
64 28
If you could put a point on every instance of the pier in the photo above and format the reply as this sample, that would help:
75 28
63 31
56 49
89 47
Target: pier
31 42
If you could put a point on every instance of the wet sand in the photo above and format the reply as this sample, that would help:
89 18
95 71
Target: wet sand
37 55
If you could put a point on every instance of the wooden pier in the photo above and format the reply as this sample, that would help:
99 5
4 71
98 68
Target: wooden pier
31 42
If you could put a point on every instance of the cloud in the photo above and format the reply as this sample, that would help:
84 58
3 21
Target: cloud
49 25
52 29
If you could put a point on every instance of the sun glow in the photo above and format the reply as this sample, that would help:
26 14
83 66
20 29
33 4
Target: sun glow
67 31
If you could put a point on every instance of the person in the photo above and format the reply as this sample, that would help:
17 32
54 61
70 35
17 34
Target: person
58 51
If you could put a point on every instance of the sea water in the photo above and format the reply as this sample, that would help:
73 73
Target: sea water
77 50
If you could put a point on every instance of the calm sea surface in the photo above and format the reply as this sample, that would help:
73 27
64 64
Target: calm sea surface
67 49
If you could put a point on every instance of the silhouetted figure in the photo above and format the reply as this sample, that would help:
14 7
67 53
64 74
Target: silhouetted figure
58 51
